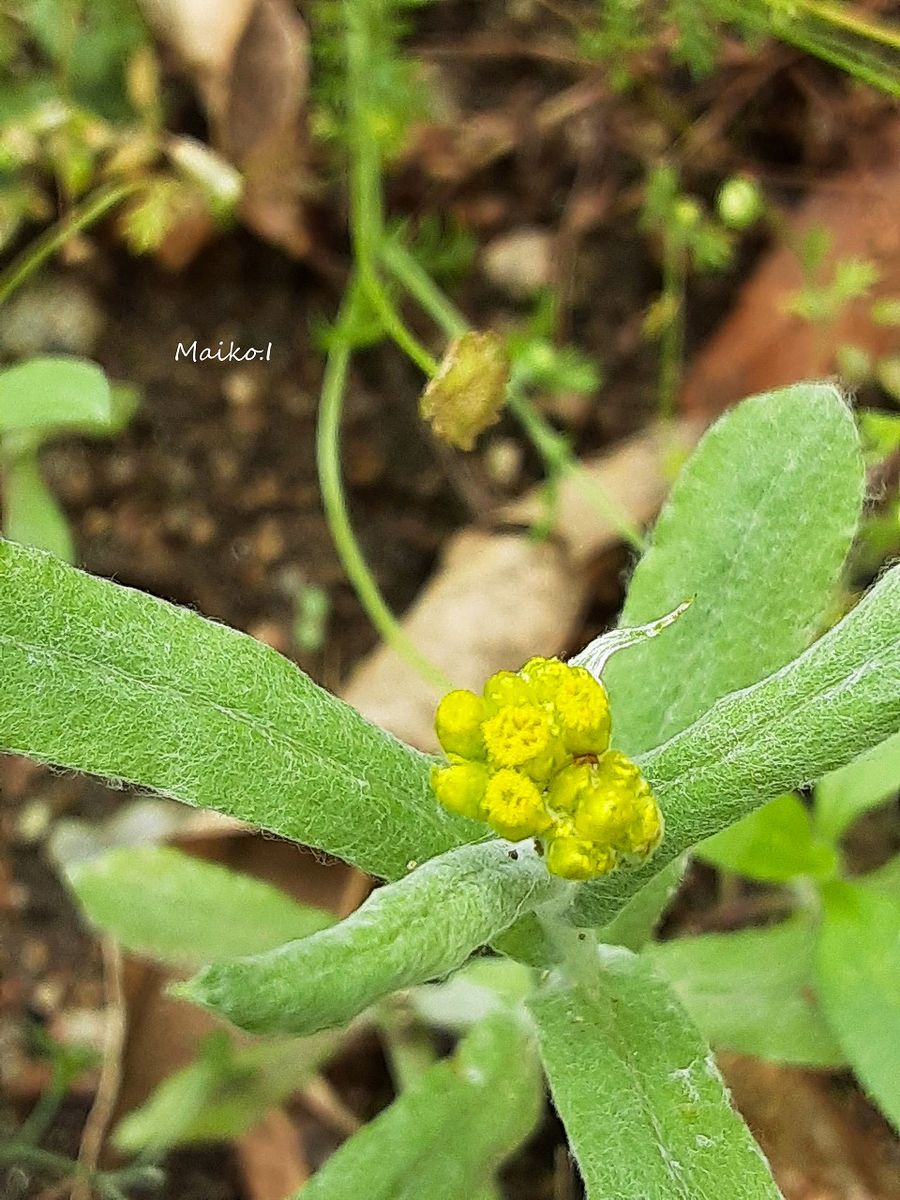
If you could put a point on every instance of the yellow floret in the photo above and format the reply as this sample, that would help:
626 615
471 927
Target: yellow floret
460 788
505 688
458 721
619 808
582 713
568 786
575 858
545 676
521 737
513 806
647 829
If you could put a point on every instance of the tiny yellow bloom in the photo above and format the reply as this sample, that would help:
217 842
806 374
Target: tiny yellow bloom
568 786
530 757
513 806
521 737
460 788
648 827
619 808
504 688
582 712
545 676
458 721
576 858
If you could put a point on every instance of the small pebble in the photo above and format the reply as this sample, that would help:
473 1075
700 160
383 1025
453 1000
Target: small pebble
520 262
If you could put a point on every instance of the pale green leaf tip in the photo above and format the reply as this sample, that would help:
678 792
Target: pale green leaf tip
597 653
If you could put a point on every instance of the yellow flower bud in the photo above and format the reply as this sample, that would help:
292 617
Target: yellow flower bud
575 858
521 737
513 806
457 723
505 688
545 675
618 809
647 829
582 712
568 786
460 788
530 758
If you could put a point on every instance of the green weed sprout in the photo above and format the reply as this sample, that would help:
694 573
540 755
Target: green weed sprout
741 701
45 398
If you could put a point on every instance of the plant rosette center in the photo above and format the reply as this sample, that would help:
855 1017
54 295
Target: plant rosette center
531 757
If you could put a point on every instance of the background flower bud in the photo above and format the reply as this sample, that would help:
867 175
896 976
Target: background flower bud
467 394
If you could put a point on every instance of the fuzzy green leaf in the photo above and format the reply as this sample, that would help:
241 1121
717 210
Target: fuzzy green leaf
157 901
752 991
418 929
863 784
756 529
104 679
646 1111
834 702
53 392
774 844
444 1137
859 983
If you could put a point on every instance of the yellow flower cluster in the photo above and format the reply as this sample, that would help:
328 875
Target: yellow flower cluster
531 758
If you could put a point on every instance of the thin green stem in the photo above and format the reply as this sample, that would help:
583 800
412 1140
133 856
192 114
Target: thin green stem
41 1116
672 343
334 500
407 270
87 213
366 201
553 448
108 1184
840 18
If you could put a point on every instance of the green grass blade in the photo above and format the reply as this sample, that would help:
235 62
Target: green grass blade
832 703
162 903
111 681
646 1111
418 929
